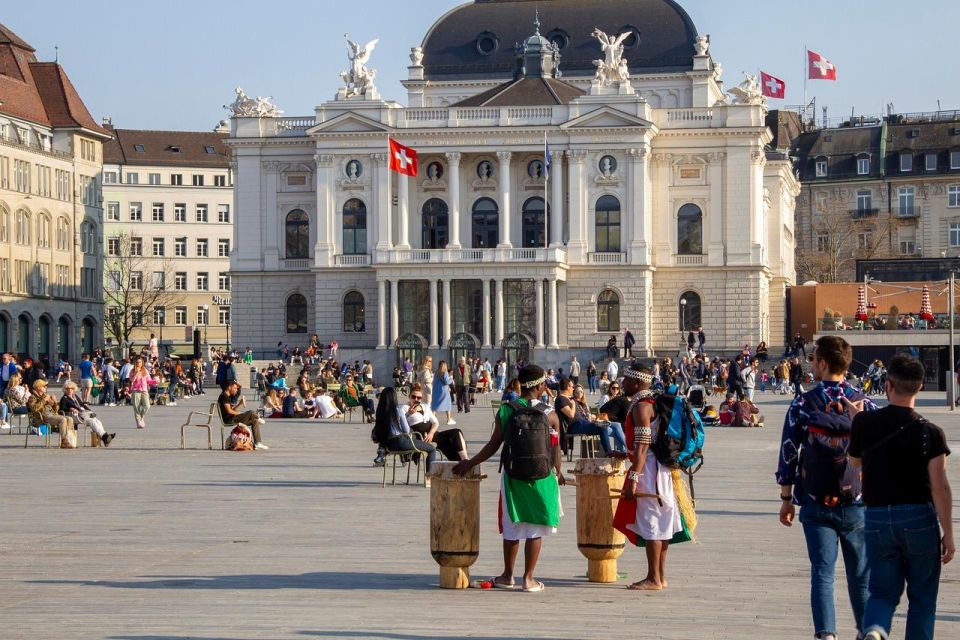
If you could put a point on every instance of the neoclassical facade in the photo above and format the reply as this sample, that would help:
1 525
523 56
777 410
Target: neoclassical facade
663 208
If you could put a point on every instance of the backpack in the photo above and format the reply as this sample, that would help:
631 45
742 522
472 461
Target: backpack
826 473
679 442
526 444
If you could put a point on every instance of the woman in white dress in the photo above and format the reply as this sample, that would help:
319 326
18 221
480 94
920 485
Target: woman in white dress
425 376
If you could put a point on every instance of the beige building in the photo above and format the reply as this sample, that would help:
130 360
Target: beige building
51 151
168 198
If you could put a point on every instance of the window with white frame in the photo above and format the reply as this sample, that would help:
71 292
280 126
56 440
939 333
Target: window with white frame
113 280
223 248
821 168
955 234
109 177
180 212
158 212
113 211
63 234
136 246
930 162
159 281
197 180
154 178
133 178
4 225
906 197
136 280
202 210
219 181
907 247
955 159
136 315
180 281
113 246
953 196
864 240
180 247
203 281
823 242
21 227
159 246
159 316
176 179
21 176
43 231
906 163
5 172
203 248
203 315
864 200
4 274
223 281
180 315
223 316
223 213
136 212
863 166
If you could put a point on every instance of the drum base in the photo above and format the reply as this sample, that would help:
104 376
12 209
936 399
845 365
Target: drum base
458 577
603 571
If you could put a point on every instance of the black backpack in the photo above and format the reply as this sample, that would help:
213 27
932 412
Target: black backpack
527 453
827 475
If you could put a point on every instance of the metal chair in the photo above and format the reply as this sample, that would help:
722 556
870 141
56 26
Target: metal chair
414 454
203 424
588 445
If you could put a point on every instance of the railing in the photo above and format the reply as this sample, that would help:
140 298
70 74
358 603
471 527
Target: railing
418 114
296 264
908 212
459 256
474 116
602 257
12 141
690 118
478 113
357 260
294 124
688 260
883 322
522 255
864 213
530 113
467 255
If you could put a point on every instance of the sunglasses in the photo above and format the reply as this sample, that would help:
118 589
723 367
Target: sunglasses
614 388
416 397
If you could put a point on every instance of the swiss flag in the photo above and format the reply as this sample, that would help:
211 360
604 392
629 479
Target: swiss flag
820 68
772 87
403 159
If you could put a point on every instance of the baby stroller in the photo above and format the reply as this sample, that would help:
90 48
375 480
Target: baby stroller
697 397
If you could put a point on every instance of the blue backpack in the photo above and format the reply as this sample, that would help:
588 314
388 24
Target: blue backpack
826 473
679 443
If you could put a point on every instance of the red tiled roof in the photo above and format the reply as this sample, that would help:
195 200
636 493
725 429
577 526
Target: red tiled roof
61 100
9 37
158 148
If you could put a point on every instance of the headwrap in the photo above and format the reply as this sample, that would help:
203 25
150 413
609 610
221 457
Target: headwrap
640 376
532 376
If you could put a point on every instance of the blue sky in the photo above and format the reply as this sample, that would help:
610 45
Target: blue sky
172 65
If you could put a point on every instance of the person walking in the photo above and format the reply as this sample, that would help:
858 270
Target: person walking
814 472
461 385
108 373
628 342
425 377
796 377
592 376
906 510
440 400
140 393
701 340
574 370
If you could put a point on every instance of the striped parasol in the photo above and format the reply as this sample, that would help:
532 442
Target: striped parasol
861 306
926 312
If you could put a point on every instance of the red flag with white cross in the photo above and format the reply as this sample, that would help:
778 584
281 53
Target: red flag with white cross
403 159
820 68
772 87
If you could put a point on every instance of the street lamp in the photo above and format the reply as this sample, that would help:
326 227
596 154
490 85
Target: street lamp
683 324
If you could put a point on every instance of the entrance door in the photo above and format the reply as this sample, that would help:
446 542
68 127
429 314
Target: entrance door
516 347
463 345
413 346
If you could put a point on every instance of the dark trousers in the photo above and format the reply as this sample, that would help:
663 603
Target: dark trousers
406 442
463 398
106 394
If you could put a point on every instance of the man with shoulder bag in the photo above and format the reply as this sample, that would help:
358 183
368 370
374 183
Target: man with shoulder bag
904 462
815 472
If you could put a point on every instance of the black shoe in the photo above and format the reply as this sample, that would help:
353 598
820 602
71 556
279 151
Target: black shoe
107 438
379 461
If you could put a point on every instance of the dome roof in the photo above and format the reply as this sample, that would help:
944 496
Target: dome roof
477 40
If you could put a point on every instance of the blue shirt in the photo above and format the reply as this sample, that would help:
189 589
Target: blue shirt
86 369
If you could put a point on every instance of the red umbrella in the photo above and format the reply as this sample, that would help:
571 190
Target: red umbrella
861 306
926 312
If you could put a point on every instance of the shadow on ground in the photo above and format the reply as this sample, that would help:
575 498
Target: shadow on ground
332 580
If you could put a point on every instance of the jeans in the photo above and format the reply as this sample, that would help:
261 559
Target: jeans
903 545
825 527
602 429
106 394
748 391
4 409
500 382
592 383
406 442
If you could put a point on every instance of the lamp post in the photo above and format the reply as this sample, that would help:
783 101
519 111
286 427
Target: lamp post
683 325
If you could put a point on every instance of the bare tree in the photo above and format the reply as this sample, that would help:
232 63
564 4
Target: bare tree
135 287
839 239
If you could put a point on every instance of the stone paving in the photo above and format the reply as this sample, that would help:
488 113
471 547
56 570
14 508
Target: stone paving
143 541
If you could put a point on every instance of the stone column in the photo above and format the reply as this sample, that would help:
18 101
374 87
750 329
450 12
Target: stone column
539 296
641 199
486 313
666 217
453 179
556 200
554 323
447 320
503 180
271 254
434 339
499 312
384 200
715 257
576 246
323 250
394 312
381 314
403 197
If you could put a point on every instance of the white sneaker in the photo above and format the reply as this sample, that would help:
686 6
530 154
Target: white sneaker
171 404
873 635
261 421
426 483
4 426
260 445
451 422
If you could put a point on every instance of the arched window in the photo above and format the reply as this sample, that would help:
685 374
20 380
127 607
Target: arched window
63 234
297 228
63 338
43 231
354 313
436 221
485 224
43 338
4 225
296 314
22 230
4 333
608 225
689 312
608 311
23 335
354 227
690 230
533 224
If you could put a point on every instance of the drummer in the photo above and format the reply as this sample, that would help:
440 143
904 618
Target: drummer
529 510
450 442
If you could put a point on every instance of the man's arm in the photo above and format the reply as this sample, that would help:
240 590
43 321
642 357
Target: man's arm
943 502
642 414
789 459
496 439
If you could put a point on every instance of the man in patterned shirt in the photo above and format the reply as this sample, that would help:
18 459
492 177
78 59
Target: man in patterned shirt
815 472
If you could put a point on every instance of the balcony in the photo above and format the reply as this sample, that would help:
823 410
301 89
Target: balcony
460 256
907 213
354 260
296 264
696 260
604 257
859 213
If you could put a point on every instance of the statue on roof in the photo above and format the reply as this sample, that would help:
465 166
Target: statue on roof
613 68
358 80
244 106
748 91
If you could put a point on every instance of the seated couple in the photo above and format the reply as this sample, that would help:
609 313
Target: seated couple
740 413
414 417
575 419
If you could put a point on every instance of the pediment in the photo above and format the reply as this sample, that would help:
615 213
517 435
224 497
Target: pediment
349 123
605 117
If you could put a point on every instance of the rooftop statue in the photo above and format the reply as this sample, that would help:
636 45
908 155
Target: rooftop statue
244 106
748 91
613 67
358 79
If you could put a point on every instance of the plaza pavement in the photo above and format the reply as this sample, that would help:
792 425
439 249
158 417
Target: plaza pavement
143 541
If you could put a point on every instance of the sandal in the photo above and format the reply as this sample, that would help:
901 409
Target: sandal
502 585
534 589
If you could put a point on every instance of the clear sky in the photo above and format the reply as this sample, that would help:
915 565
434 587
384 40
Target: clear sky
171 65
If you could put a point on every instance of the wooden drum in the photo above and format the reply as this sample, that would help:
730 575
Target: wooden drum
454 523
599 482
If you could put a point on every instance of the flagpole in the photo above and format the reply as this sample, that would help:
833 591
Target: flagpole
806 73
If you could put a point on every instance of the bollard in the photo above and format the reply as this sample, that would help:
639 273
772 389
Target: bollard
599 482
454 523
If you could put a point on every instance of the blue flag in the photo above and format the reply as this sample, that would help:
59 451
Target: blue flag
547 159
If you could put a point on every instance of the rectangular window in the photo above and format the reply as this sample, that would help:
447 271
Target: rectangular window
5 172
864 200
907 247
219 181
202 210
158 212
955 234
113 246
821 168
223 281
863 166
203 315
864 240
159 316
133 178
197 180
180 247
203 281
907 201
113 280
155 178
176 179
180 212
180 315
159 281
4 274
223 213
223 316
953 196
136 212
136 280
906 163
823 242
955 159
109 177
203 248
180 281
223 248
930 162
136 246
159 246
